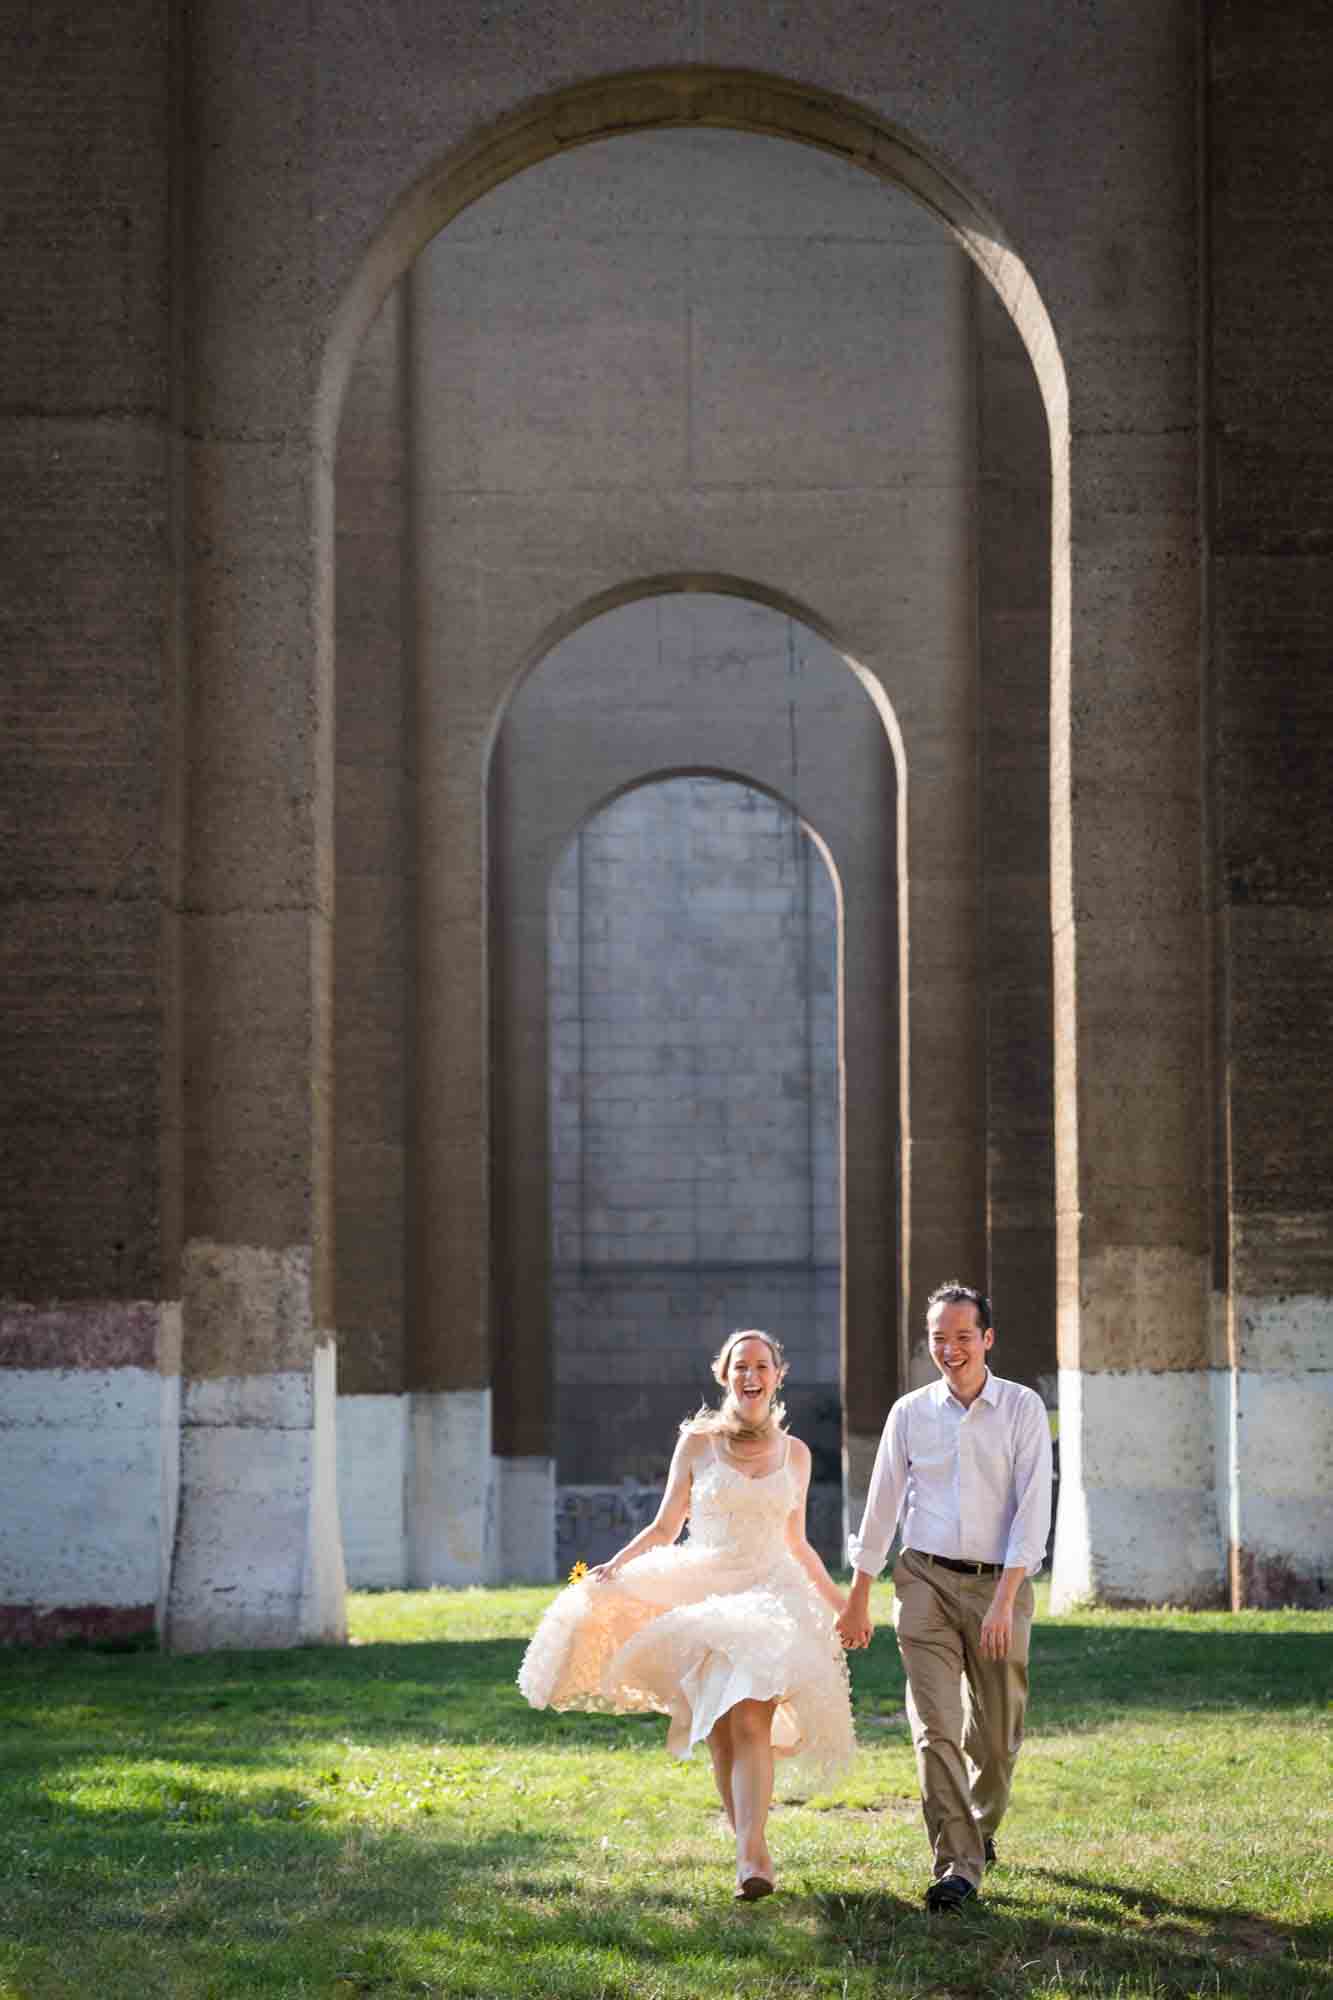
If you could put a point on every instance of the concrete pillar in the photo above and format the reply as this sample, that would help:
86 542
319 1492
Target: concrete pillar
1270 593
934 692
1014 645
89 825
258 1555
1137 1518
451 1522
373 950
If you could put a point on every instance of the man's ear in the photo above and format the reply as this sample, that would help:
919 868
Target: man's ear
988 1337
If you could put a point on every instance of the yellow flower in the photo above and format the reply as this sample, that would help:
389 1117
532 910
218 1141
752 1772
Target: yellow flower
579 1571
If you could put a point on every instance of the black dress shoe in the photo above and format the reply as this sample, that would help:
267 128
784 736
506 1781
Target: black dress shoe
948 1894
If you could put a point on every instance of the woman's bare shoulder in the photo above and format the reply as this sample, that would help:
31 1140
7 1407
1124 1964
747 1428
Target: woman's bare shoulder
800 1455
693 1447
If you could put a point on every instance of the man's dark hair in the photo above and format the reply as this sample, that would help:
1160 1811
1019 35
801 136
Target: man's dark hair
954 1294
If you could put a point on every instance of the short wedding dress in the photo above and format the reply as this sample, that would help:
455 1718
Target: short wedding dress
728 1615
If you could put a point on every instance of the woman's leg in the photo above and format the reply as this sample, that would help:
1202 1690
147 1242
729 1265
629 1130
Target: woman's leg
723 1753
752 1785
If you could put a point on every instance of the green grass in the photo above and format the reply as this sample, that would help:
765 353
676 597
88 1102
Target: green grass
390 1819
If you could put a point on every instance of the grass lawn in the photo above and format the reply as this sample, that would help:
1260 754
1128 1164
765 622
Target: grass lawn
390 1819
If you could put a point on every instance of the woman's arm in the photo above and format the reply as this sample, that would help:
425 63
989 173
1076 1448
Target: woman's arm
796 1540
669 1519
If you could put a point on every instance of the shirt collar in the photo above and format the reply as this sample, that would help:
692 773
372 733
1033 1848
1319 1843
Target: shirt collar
989 1392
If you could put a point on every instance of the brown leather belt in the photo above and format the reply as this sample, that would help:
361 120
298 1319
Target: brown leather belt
966 1568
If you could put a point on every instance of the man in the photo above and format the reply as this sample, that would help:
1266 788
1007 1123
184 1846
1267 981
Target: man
970 1456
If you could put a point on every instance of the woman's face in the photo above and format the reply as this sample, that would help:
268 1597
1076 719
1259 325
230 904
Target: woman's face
752 1378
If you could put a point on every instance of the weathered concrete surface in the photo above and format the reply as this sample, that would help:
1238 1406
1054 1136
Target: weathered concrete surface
1269 190
258 1556
87 634
1014 644
452 1530
375 871
374 1436
642 328
1137 1521
89 1441
89 1201
667 683
300 148
525 1499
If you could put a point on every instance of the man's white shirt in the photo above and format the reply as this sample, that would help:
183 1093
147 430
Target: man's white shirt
973 1483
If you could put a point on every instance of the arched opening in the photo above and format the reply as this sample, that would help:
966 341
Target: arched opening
496 571
703 682
695 1137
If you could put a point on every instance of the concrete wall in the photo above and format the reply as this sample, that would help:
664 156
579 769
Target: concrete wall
173 380
1270 599
625 368
663 684
1013 696
90 1185
694 1118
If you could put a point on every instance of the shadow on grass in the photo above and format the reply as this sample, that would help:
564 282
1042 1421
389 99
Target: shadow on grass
1108 1940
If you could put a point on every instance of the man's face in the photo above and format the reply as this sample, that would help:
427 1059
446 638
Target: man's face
959 1345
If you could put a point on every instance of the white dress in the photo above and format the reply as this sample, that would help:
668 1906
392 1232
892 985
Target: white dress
727 1616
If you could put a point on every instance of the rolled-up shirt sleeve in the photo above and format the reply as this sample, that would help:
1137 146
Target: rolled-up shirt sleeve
1026 1546
868 1550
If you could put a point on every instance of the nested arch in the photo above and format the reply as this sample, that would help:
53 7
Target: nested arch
604 108
472 663
694 1117
841 780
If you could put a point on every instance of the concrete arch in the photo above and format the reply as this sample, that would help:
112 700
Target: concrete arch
643 100
861 845
698 1159
714 583
604 108
726 774
552 126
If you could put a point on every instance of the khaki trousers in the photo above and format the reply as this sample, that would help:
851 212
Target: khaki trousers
966 1712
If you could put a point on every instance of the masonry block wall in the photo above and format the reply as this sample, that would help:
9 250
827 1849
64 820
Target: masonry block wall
694 1121
90 837
1269 205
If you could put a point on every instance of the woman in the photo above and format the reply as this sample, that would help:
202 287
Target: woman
731 1634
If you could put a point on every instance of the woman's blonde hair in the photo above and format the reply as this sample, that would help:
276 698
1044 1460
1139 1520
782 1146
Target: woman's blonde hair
727 1419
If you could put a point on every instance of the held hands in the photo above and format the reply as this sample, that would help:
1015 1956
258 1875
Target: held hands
854 1627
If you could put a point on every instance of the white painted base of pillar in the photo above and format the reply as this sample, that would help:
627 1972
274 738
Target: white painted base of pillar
259 1555
1277 1504
1138 1520
90 1461
373 1439
525 1500
451 1510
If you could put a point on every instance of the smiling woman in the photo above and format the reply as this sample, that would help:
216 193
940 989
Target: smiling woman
731 1635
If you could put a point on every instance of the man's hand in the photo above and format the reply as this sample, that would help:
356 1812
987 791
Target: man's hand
997 1627
855 1625
997 1630
855 1629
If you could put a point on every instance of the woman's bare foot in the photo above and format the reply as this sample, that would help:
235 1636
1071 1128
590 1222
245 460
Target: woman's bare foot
754 1878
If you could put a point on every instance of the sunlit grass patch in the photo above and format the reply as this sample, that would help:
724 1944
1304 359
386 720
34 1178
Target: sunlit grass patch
390 1819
